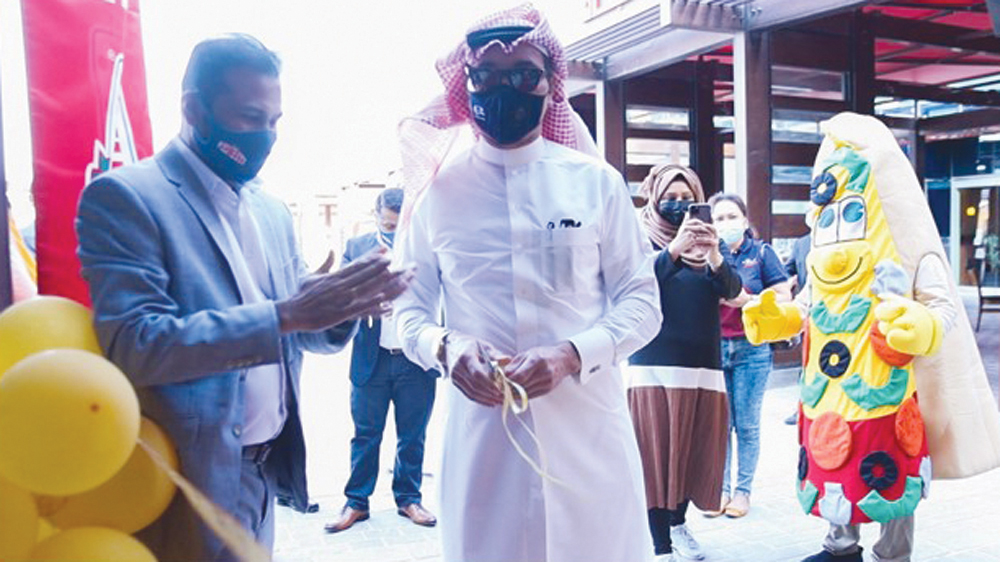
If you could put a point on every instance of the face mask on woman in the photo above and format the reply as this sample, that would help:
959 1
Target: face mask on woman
672 210
731 233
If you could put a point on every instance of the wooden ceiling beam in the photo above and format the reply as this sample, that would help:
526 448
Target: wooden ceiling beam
936 34
942 6
961 121
936 93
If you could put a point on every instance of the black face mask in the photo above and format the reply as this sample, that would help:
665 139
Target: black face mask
673 210
506 114
235 157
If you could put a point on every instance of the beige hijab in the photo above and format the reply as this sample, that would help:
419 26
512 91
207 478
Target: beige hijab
661 232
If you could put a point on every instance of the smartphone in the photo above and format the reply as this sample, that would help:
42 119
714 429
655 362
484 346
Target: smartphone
701 211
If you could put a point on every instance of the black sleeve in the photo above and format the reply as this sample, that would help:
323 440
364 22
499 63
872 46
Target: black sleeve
771 270
725 280
790 267
665 267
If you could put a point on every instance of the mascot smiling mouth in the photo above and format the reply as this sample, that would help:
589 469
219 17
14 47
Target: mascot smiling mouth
835 282
829 263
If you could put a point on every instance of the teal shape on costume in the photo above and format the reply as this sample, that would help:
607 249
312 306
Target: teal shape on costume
871 397
812 392
856 165
807 495
882 510
846 322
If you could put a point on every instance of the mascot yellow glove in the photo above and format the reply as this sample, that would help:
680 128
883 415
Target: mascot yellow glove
909 326
766 320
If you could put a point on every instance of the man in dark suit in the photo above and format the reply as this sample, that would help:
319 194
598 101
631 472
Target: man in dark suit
381 374
200 296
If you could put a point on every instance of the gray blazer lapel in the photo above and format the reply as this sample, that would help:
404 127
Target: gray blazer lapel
177 170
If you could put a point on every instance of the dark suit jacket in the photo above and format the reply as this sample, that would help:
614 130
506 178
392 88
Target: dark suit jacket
169 313
364 353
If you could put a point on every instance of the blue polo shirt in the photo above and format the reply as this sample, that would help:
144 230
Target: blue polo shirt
759 268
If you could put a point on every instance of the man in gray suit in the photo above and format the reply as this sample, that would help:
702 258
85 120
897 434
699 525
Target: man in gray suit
201 297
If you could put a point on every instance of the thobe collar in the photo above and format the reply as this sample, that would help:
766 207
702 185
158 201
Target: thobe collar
510 157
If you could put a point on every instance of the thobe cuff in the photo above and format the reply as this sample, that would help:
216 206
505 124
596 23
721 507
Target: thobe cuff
597 352
426 349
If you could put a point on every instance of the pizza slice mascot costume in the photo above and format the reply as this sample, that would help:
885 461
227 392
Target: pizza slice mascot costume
893 390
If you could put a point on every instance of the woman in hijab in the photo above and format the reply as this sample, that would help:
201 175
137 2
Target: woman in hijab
677 394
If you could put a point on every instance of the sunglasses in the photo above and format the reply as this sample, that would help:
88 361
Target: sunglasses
524 79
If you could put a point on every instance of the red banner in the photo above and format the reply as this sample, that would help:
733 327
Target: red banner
87 94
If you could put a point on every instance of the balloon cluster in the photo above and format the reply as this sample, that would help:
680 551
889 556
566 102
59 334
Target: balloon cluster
74 485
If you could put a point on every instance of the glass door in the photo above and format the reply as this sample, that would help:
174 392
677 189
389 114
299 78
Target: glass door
979 236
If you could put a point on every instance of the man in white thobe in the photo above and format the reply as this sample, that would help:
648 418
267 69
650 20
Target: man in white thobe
534 251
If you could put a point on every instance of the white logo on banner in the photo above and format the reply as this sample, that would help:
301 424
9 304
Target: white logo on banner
118 147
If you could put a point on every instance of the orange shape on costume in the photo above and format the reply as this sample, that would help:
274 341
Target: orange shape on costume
910 427
886 353
830 441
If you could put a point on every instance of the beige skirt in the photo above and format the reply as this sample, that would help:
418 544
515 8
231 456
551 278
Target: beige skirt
681 420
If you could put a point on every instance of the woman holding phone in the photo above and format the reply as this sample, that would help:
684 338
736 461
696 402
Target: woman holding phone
746 367
677 395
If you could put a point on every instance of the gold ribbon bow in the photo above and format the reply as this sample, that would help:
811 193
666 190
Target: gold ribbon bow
515 399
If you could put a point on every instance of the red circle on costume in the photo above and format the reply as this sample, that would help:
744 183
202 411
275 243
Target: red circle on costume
886 353
830 441
910 427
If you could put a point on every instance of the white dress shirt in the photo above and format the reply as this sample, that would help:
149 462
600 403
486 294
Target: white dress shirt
387 337
529 247
264 385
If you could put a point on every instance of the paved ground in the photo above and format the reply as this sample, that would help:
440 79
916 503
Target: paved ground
956 523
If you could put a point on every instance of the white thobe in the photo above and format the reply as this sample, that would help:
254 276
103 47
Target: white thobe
529 247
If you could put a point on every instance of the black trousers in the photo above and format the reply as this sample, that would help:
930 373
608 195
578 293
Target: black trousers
660 522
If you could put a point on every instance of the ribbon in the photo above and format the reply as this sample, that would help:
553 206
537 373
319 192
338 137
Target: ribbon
519 404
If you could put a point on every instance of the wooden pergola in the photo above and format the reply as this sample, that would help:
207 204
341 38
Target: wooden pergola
756 60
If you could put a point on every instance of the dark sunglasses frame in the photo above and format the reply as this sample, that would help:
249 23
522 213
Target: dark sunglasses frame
524 79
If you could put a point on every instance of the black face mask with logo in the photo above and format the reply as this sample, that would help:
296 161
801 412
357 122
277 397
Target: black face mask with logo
506 114
236 157
673 210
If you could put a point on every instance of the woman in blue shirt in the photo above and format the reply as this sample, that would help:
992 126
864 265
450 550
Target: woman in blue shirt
745 366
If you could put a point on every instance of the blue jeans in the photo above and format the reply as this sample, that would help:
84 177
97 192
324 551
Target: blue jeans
411 391
746 368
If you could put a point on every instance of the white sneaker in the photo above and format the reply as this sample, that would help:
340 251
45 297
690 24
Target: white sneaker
684 544
668 557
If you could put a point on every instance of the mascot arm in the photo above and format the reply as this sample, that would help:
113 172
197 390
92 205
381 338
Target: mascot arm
766 320
909 326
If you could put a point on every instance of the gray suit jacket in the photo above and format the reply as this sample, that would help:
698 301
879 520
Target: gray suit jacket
169 313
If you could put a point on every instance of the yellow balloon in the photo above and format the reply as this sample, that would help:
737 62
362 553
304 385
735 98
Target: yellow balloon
131 500
69 420
42 323
45 529
92 543
18 522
